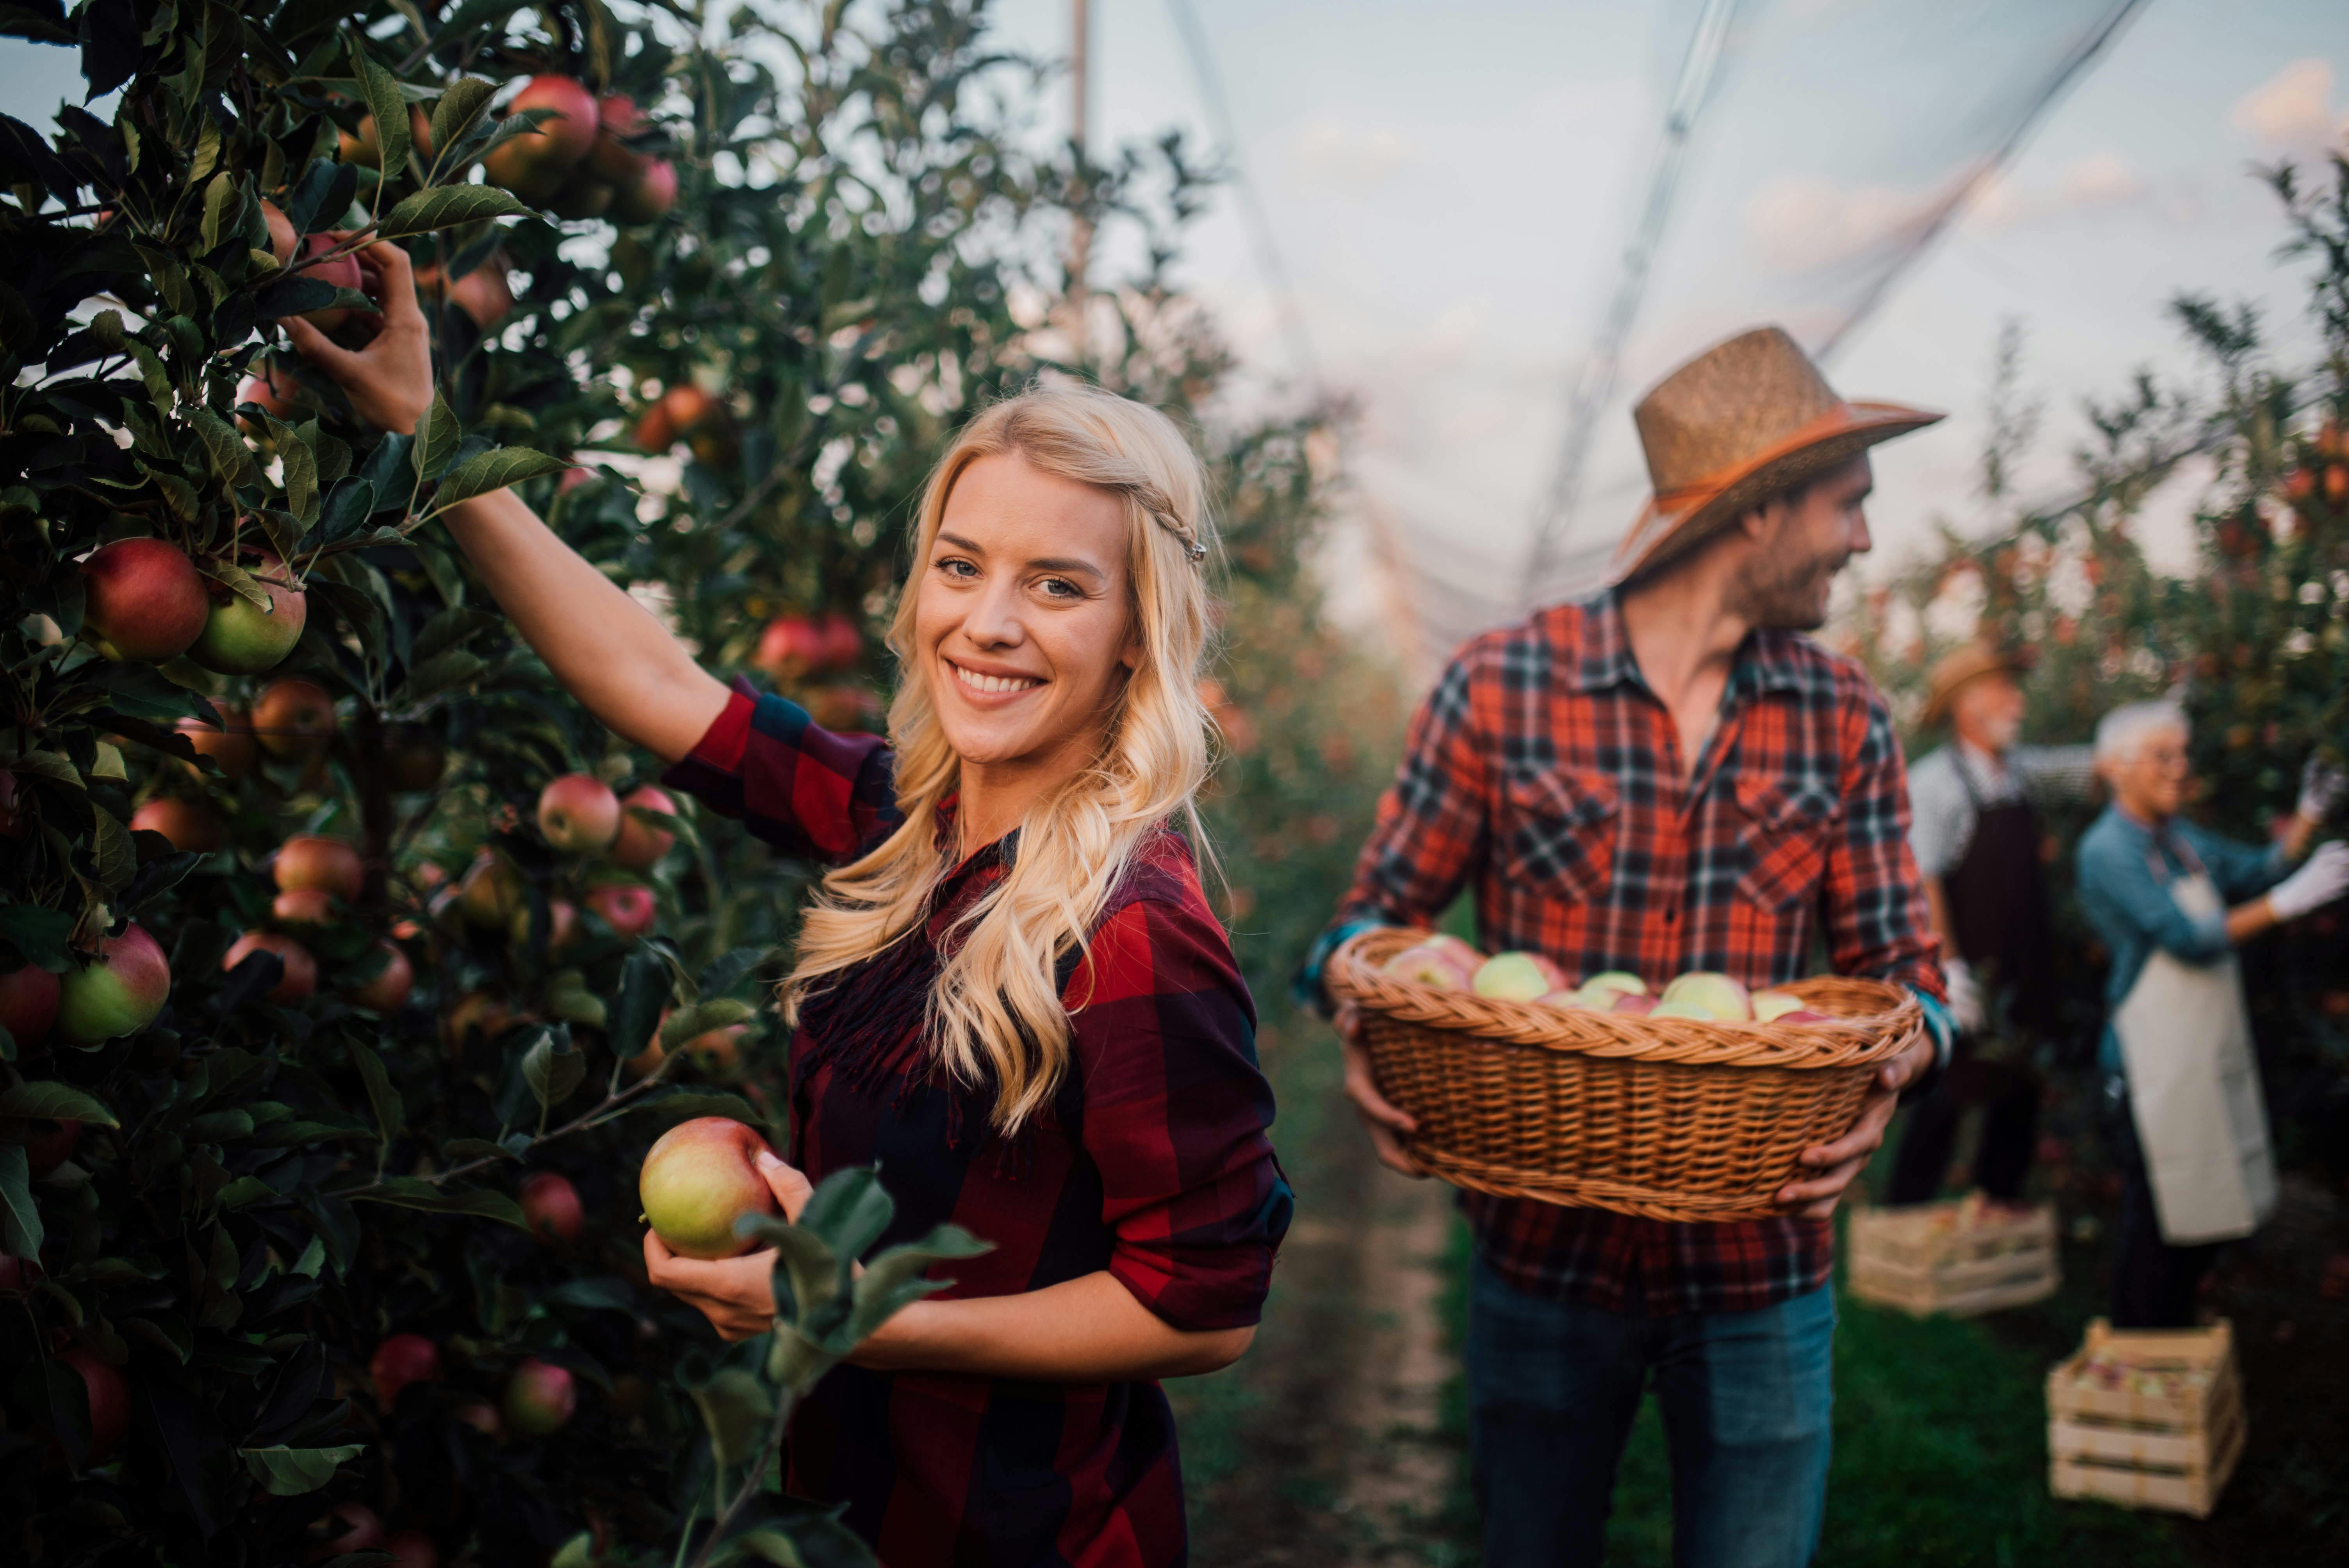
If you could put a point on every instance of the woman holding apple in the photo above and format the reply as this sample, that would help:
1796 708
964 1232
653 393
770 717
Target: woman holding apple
1012 994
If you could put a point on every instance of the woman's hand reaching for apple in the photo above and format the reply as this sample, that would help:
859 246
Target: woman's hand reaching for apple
737 1294
388 381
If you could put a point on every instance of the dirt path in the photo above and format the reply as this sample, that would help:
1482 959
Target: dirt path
1325 1448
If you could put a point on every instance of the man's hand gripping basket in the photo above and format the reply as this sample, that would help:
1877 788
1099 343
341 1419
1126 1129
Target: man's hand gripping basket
1673 1118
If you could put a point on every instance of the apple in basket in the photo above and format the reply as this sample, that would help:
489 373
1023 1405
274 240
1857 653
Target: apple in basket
1429 964
1632 1002
1785 1007
1702 993
1518 977
1602 991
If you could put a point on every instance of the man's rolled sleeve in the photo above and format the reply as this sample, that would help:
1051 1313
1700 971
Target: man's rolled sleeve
1875 900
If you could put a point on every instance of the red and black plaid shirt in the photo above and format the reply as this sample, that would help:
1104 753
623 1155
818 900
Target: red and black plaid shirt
1543 772
1153 1163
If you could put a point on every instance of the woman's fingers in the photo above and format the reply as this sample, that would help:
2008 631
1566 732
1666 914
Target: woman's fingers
315 346
790 1187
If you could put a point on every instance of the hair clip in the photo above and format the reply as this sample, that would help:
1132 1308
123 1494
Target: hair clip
1196 551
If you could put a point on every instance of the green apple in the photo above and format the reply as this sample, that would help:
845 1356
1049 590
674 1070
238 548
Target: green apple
1517 977
119 994
1703 993
240 638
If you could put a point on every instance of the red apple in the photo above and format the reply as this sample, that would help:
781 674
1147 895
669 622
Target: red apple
412 1549
342 273
698 1180
400 1360
363 149
641 844
482 1417
1428 965
301 977
303 906
844 644
232 747
143 599
330 865
540 1397
294 719
579 814
282 237
273 391
18 1275
550 1204
110 1403
718 1052
1632 1002
28 1004
532 165
48 1144
388 990
611 160
118 994
482 294
189 824
789 647
581 195
628 908
648 199
240 640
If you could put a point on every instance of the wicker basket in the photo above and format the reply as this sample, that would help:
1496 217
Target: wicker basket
1672 1118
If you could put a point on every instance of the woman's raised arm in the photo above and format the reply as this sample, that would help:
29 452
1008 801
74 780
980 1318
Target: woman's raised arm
603 645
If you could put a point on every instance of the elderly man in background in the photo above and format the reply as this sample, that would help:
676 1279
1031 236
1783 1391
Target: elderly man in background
2173 902
1977 836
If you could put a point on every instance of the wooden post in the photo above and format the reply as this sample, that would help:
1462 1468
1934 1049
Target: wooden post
1080 229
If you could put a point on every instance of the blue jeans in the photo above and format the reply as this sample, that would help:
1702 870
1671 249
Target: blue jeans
1746 1399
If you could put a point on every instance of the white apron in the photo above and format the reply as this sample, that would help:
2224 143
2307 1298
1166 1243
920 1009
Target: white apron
2194 1089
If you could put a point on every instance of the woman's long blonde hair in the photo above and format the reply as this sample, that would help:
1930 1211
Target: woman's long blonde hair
995 1011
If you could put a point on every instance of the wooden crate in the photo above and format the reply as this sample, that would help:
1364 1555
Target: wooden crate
2172 1447
1952 1257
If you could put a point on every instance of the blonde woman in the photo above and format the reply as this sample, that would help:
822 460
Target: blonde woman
1011 994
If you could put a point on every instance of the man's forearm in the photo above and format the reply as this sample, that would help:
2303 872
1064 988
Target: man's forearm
606 648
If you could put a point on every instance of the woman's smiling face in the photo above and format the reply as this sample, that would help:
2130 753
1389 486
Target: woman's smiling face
1022 623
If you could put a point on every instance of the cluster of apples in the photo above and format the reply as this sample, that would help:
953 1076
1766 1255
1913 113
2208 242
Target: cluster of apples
579 815
810 654
582 163
145 599
1448 964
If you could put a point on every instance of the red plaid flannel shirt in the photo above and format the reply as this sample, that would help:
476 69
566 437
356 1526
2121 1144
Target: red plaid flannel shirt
1543 771
1153 1164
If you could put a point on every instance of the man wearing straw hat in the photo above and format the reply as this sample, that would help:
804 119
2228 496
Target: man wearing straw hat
1669 777
1977 842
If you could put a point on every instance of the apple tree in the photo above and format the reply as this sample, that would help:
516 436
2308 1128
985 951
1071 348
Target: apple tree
347 967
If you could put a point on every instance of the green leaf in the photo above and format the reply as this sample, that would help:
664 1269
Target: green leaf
302 468
389 107
57 1102
459 110
892 1280
445 207
438 446
849 1209
110 846
290 1472
471 1148
41 935
223 202
231 460
493 470
408 1193
450 667
391 1114
20 1221
735 1407
702 1018
242 1191
644 991
50 765
553 1067
239 581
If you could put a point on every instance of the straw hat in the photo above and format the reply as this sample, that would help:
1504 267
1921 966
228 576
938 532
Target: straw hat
1962 663
1743 421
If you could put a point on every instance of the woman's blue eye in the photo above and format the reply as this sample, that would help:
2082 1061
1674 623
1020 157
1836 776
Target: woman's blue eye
1061 588
955 568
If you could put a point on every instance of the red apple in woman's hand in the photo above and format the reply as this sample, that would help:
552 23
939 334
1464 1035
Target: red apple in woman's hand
698 1180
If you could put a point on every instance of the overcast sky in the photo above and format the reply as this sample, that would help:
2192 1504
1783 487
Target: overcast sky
1452 186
